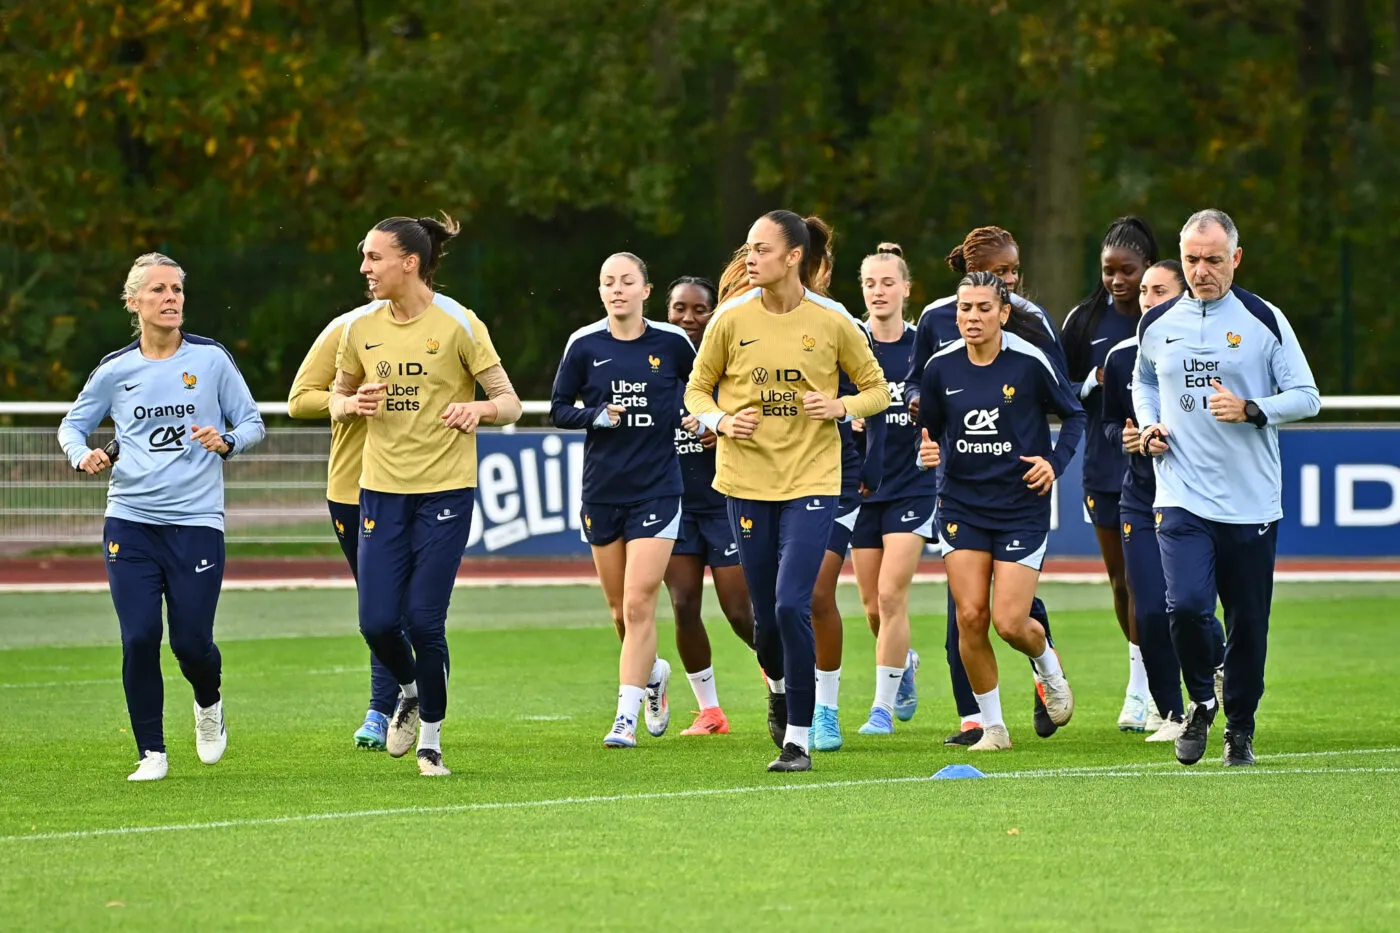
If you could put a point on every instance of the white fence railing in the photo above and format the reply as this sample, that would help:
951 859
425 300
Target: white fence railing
275 494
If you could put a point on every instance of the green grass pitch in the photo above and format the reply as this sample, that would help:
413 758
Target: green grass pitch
540 828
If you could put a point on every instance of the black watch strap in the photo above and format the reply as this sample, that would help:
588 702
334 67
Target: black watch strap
1255 415
227 439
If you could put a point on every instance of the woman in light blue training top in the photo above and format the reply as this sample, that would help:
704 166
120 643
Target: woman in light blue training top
172 397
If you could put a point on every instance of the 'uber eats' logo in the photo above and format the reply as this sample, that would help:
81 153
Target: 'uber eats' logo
397 396
1199 372
777 401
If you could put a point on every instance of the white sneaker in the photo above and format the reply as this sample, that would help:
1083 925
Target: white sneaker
152 767
1169 732
658 709
622 735
1133 718
403 727
1059 699
430 763
210 733
994 738
1154 718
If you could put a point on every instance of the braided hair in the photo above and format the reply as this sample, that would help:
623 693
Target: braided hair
1020 322
971 253
704 284
1134 235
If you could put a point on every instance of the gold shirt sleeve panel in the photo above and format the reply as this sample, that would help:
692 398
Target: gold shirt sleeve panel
310 393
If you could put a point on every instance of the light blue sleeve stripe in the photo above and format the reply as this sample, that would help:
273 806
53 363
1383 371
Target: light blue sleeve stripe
454 311
583 331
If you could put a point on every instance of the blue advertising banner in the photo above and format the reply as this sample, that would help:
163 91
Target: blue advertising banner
1341 495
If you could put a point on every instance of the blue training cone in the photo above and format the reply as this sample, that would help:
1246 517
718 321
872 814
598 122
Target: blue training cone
954 772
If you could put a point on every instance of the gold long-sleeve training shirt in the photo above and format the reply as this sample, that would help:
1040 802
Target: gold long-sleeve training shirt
767 361
310 398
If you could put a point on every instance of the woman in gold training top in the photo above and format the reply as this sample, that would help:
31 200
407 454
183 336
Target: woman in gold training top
774 352
310 398
408 364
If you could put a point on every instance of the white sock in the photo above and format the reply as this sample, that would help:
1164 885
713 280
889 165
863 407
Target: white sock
970 721
886 683
828 688
410 690
703 683
1208 704
990 704
776 686
1137 672
796 735
629 701
430 735
1047 664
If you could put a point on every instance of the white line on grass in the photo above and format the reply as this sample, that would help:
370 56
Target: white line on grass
1132 770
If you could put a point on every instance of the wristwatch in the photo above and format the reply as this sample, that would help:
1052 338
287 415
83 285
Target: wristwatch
1255 415
227 439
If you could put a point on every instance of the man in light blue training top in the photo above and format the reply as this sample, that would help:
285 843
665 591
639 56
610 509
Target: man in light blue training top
1218 370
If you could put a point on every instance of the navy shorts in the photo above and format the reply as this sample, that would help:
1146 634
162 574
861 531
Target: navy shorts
847 513
1102 508
709 535
910 515
652 518
1017 547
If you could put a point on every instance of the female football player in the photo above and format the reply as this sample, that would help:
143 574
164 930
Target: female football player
987 396
1096 325
994 250
181 408
1163 282
409 363
706 538
630 375
896 521
775 352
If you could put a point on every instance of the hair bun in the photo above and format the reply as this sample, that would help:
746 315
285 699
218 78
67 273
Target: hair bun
893 249
957 261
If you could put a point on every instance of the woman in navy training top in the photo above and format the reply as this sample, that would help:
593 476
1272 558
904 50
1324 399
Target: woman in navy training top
987 395
994 250
1163 282
630 374
896 521
706 537
1097 324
